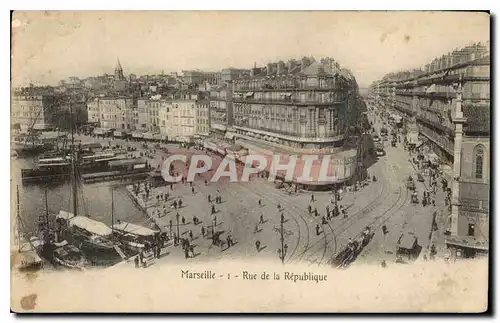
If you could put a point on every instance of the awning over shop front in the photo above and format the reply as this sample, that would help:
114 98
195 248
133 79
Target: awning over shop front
467 242
137 135
218 127
149 135
249 94
119 133
101 131
229 135
41 126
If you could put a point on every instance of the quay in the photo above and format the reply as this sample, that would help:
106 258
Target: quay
114 175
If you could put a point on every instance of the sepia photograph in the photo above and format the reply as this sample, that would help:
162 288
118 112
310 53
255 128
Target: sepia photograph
250 161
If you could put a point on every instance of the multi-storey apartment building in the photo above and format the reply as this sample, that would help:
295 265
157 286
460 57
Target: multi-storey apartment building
299 105
117 112
43 107
93 111
34 108
221 110
178 119
202 117
450 101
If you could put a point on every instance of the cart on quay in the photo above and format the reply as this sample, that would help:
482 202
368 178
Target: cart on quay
407 245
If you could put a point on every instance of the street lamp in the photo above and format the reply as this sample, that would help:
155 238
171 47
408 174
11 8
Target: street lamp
282 254
284 247
178 236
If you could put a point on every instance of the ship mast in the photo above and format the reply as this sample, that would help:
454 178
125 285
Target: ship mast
18 220
73 164
112 210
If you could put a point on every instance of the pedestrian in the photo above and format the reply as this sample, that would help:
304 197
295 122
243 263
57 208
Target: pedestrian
183 220
191 235
323 220
279 206
256 228
327 209
213 209
228 239
309 209
192 190
312 197
316 213
203 231
260 202
170 225
209 198
257 245
175 205
171 186
317 230
261 218
180 203
433 202
136 261
282 218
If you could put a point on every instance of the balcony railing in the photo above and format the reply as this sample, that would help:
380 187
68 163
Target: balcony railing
293 135
477 96
435 124
289 101
290 87
440 140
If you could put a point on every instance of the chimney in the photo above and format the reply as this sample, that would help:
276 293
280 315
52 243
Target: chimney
280 68
269 68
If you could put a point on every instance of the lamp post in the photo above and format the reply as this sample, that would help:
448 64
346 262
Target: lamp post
282 252
178 236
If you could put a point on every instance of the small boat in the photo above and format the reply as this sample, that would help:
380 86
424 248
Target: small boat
93 237
134 237
26 254
63 254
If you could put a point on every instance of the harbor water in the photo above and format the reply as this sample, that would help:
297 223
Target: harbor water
94 200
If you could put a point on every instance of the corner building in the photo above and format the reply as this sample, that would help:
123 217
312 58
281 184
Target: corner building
299 107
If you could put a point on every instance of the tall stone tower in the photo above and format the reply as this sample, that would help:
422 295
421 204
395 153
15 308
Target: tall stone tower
119 71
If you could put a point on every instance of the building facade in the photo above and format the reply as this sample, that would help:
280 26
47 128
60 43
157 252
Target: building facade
202 117
93 111
118 113
221 110
450 101
306 105
178 119
34 110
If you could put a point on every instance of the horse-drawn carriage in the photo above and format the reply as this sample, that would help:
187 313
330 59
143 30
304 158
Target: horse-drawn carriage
407 246
353 249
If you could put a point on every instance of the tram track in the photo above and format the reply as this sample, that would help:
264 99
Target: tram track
298 209
273 201
355 217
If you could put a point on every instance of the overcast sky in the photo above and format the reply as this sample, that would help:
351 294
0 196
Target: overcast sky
50 46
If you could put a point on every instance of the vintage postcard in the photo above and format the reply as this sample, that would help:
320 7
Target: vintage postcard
245 161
